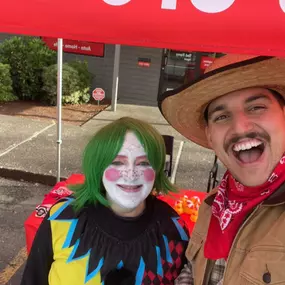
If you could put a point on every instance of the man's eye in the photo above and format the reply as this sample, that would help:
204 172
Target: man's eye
256 108
220 118
117 163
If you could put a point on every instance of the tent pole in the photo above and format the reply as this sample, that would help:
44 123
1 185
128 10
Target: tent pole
115 78
59 104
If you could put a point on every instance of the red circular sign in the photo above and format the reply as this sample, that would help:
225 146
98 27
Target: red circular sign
98 94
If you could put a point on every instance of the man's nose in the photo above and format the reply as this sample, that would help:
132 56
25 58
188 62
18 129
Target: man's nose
241 123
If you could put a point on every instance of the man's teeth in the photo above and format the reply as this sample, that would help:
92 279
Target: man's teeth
246 145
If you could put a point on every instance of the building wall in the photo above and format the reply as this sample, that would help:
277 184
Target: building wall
100 67
139 85
5 36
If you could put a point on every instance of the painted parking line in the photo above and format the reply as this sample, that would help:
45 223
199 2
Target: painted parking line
13 266
11 147
172 179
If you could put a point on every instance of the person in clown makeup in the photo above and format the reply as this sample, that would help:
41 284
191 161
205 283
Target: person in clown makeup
113 230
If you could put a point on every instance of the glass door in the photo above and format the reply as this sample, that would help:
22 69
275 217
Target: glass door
181 67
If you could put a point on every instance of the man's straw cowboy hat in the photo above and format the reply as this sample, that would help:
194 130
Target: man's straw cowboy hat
184 107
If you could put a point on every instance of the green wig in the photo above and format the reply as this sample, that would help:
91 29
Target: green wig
103 148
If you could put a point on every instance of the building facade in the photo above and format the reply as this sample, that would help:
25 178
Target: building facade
143 72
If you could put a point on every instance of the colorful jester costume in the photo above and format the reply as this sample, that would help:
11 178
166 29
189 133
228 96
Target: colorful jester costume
114 231
95 246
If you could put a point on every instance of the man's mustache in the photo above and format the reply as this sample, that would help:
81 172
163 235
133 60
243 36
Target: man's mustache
252 135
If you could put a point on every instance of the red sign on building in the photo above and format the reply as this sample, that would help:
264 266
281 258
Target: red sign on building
79 47
206 61
144 62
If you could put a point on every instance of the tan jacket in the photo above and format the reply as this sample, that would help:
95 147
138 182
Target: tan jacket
257 255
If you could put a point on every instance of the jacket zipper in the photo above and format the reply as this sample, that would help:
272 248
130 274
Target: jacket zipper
237 235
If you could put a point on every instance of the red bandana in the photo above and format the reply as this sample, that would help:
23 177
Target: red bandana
230 207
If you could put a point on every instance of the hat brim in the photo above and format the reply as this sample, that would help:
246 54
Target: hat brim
184 108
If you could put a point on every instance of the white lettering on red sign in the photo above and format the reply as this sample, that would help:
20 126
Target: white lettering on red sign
210 6
207 6
169 4
116 2
282 4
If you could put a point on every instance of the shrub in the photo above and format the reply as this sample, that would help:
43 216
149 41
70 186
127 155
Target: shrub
6 90
76 81
27 57
85 76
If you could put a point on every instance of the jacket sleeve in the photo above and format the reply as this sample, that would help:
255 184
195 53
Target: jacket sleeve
186 276
40 258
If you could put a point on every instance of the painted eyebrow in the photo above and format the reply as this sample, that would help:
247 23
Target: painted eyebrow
251 99
124 156
142 157
120 156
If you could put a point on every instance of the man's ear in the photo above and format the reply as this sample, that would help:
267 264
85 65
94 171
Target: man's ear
208 135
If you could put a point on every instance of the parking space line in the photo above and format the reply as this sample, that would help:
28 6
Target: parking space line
11 147
177 162
13 266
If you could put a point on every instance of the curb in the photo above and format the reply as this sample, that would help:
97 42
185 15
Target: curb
20 175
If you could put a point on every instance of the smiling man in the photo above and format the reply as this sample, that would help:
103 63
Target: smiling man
237 109
247 131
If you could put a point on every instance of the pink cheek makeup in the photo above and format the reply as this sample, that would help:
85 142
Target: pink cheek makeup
112 174
149 175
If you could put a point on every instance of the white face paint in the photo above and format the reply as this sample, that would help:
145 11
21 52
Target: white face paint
130 178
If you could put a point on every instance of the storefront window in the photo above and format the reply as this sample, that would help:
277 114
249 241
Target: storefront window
182 67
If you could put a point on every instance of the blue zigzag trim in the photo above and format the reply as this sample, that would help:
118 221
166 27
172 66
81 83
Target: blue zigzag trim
67 242
141 268
70 233
180 229
61 209
167 250
120 265
159 264
71 256
140 272
95 271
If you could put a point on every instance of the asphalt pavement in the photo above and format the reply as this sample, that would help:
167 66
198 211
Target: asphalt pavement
17 201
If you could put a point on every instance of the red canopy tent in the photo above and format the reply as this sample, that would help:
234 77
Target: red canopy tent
229 26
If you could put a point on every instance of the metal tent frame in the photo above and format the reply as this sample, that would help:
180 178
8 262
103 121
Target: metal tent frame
59 96
59 106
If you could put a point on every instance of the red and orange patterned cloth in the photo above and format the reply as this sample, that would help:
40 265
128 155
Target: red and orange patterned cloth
186 203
